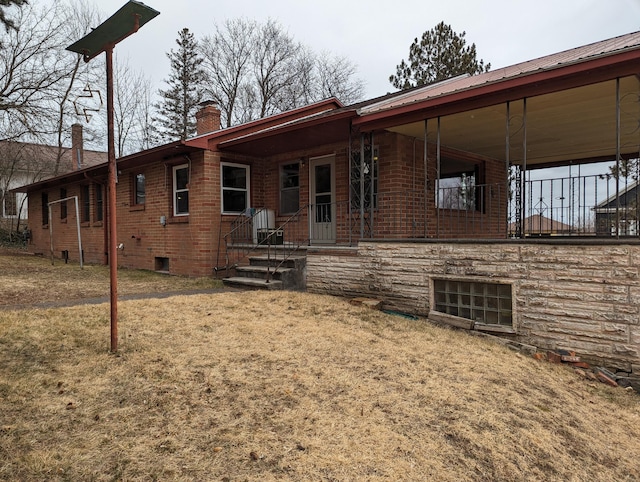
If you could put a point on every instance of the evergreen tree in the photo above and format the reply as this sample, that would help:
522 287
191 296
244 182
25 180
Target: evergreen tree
440 54
179 102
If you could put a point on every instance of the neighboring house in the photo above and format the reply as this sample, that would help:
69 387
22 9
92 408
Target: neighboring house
539 225
618 214
23 163
405 198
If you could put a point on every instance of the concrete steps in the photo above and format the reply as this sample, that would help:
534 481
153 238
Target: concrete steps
289 276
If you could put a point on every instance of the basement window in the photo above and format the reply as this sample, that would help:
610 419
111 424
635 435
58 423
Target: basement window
486 303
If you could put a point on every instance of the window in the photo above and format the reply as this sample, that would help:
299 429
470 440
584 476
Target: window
488 303
99 202
63 204
181 190
85 203
10 203
235 188
457 185
44 204
364 170
289 188
138 189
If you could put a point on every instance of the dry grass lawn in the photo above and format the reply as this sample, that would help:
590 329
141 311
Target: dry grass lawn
26 279
291 386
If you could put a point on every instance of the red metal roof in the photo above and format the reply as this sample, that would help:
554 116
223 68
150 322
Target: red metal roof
543 64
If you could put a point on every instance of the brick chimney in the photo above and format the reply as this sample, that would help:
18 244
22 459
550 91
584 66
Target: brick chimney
77 148
207 118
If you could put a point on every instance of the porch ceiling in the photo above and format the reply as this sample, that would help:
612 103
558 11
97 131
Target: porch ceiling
573 125
328 129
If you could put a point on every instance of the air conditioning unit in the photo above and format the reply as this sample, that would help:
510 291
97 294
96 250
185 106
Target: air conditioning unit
263 221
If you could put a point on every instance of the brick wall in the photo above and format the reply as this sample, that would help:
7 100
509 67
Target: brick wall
565 296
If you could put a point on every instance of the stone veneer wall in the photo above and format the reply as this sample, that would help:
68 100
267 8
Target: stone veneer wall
582 296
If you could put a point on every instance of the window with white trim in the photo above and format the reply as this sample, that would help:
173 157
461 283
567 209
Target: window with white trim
181 190
235 183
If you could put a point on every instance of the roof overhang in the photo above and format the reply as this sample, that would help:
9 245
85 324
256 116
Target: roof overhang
322 129
99 173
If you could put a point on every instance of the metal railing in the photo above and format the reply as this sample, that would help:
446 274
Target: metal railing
591 205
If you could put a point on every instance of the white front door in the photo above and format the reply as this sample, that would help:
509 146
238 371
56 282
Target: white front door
322 217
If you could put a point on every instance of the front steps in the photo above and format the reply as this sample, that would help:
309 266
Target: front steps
289 276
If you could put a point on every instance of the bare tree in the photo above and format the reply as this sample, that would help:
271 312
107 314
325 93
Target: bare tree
254 70
336 78
227 61
132 102
38 79
7 21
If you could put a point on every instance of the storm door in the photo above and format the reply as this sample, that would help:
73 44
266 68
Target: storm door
322 215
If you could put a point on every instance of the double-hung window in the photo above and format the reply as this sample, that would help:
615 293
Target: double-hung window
235 188
181 190
85 201
98 203
289 188
139 189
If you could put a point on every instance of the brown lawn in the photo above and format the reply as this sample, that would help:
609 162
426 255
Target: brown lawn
26 279
291 386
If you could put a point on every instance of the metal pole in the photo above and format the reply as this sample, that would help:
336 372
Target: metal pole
426 179
50 231
524 163
361 186
507 167
618 157
438 181
113 248
78 226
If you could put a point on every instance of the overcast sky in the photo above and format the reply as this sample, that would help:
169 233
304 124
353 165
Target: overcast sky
376 35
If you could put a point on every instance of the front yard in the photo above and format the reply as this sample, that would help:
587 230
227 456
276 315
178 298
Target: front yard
286 386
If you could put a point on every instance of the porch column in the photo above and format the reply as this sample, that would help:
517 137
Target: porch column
618 157
426 179
438 180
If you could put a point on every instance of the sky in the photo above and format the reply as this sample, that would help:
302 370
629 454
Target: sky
376 35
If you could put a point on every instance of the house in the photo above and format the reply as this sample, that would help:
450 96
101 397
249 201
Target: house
405 198
618 214
539 225
23 162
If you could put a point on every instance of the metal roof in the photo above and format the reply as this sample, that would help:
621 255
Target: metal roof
579 54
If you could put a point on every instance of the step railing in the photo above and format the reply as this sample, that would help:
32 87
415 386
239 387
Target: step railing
247 236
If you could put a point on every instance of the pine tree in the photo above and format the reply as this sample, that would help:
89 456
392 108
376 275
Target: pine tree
440 54
179 102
